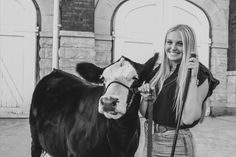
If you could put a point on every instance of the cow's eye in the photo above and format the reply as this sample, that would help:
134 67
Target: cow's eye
134 78
102 78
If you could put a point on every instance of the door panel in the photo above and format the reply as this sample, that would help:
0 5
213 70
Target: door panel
11 71
136 36
17 56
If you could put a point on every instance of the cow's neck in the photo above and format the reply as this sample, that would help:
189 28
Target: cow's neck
121 132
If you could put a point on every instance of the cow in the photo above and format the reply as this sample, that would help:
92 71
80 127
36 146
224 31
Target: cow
94 115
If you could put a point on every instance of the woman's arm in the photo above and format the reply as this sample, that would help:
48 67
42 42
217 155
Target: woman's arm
196 94
143 107
193 105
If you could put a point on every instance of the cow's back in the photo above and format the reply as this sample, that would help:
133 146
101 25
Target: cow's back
64 114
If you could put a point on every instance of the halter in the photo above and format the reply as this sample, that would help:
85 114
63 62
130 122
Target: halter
132 90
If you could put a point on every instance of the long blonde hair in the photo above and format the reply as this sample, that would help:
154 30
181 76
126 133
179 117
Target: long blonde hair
189 46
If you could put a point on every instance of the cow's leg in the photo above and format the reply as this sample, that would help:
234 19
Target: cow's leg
36 148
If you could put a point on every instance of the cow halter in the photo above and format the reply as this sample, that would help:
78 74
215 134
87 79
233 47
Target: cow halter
132 90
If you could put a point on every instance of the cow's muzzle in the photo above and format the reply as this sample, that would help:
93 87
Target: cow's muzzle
109 103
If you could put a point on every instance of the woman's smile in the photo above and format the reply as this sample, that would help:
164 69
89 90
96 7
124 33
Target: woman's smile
174 53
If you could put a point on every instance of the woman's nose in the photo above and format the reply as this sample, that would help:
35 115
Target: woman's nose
173 46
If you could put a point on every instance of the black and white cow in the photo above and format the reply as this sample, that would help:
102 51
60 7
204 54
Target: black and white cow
92 117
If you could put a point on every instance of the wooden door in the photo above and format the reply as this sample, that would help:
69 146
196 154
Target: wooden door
17 56
135 29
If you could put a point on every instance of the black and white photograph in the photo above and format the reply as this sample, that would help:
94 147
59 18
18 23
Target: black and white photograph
117 78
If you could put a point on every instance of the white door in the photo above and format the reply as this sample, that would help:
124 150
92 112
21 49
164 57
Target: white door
135 29
17 56
140 25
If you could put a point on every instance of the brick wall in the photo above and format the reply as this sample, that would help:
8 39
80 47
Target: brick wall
77 15
45 55
75 47
103 48
231 66
232 36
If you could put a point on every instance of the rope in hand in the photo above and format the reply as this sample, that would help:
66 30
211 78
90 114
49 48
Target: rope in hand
150 101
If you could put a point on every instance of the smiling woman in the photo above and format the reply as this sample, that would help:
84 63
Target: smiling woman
169 80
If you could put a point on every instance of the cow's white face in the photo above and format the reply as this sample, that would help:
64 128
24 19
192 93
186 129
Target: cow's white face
113 103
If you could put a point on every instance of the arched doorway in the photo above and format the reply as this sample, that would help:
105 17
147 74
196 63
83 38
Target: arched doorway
139 27
18 28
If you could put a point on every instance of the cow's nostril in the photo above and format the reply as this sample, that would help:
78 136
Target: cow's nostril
109 100
109 103
114 103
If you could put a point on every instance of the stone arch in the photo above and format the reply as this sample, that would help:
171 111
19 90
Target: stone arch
103 15
218 21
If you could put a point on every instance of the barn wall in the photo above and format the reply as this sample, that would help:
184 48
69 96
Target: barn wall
98 39
77 37
231 74
218 13
232 37
103 48
77 15
221 16
74 47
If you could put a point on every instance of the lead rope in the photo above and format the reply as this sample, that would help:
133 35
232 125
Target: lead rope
150 119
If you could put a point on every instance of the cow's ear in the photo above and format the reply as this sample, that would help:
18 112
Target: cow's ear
89 71
148 67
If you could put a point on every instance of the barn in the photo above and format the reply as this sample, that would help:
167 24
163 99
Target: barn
100 31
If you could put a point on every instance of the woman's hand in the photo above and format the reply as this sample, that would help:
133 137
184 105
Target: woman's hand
193 64
147 92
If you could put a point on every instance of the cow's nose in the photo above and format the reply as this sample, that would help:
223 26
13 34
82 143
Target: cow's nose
109 103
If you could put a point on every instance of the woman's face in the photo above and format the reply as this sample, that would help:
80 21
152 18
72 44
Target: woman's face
174 47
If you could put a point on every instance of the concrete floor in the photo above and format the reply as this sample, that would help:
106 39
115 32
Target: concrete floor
215 137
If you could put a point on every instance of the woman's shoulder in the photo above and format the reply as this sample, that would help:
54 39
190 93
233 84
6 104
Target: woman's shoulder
203 74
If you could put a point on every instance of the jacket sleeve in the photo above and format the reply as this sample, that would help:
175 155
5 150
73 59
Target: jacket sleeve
203 74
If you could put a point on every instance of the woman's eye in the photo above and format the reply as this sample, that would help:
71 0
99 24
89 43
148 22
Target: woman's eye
180 44
169 42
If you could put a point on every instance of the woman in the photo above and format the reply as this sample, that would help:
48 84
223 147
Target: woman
168 81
